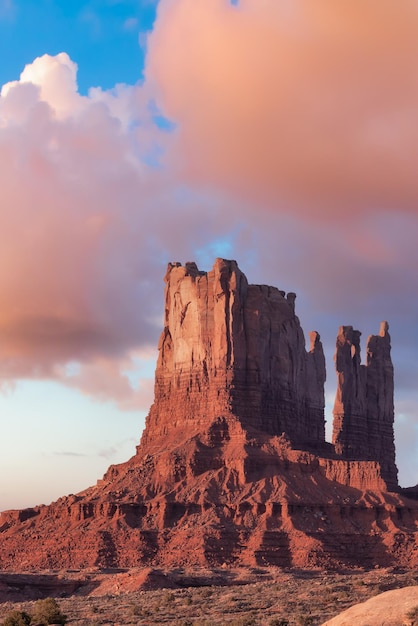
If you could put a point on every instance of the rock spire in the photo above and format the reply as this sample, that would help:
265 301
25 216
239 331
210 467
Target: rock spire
364 409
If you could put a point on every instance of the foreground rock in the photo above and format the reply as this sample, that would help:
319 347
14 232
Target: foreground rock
392 608
233 466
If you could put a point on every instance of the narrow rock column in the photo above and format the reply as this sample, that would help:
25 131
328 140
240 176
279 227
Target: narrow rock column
364 409
350 436
380 405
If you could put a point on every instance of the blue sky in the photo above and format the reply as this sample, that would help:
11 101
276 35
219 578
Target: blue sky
280 134
102 37
56 440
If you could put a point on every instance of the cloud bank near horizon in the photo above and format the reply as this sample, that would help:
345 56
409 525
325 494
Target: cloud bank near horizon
283 135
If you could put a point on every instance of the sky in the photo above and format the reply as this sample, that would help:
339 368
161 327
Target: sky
280 133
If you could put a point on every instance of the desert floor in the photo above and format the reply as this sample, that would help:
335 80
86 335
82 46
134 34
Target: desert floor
240 597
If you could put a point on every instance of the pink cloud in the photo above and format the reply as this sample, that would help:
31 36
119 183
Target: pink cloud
109 380
312 105
72 187
86 229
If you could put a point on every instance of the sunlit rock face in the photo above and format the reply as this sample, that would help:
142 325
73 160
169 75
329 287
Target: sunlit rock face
230 348
364 408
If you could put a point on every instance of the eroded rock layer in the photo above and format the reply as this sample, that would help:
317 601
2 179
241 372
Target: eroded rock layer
201 502
233 466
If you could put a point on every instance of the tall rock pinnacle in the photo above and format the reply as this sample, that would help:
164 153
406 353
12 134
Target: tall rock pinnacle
364 409
230 348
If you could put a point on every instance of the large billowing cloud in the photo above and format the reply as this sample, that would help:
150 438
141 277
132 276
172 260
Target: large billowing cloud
312 105
68 185
292 148
89 220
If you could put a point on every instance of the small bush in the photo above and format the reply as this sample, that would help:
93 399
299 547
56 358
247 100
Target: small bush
47 612
17 618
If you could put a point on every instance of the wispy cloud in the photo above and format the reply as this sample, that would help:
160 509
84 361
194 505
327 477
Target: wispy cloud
92 20
7 9
131 23
72 454
112 451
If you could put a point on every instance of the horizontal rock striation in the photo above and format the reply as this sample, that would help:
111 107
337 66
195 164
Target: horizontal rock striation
260 503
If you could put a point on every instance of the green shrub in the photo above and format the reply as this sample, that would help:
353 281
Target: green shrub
17 618
47 612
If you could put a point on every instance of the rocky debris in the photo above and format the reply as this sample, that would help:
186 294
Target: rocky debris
233 467
364 408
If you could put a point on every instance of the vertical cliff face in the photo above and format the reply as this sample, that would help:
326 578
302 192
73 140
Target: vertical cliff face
364 409
230 348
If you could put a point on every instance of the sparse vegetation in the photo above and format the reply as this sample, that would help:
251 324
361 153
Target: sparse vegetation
44 612
17 618
47 612
298 598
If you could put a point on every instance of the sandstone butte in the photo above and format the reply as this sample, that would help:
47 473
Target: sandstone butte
233 467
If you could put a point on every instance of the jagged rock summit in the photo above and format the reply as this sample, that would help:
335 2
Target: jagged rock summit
230 349
233 466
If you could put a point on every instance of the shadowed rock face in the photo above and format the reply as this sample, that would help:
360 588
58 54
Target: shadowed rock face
230 348
363 409
233 466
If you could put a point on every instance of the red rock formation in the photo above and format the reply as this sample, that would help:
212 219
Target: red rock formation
364 409
214 479
233 349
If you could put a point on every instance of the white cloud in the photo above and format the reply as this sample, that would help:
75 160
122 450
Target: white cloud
55 78
131 23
